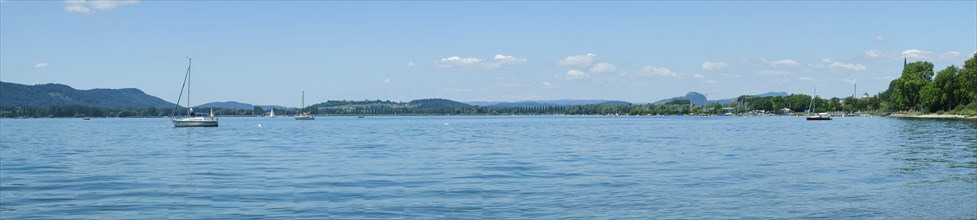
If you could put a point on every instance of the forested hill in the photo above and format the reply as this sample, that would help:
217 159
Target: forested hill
437 103
19 95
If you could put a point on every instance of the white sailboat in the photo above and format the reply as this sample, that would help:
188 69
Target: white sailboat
272 115
816 116
304 115
191 119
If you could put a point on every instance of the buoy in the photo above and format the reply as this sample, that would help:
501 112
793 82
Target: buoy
259 124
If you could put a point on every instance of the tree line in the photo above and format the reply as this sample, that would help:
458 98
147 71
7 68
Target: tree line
952 89
918 89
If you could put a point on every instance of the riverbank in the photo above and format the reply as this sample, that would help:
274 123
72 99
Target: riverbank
932 116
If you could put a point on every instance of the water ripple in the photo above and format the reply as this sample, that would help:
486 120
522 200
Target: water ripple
489 167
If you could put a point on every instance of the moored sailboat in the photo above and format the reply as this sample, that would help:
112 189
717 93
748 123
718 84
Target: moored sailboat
191 119
304 115
818 116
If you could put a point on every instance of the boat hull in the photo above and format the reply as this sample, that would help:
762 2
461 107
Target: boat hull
195 122
816 118
304 116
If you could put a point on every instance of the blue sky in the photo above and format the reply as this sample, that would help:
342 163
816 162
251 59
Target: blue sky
268 52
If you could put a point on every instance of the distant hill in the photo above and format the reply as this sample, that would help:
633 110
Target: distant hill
227 105
768 94
238 105
437 103
538 103
699 99
269 107
422 106
19 95
694 97
416 104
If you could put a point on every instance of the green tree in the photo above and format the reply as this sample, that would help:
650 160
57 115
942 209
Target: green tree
150 110
929 97
946 85
967 81
906 89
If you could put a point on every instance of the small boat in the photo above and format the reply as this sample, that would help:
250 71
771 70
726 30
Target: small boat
304 115
819 116
191 119
272 115
86 118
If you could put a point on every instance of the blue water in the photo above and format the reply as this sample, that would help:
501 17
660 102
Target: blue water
489 167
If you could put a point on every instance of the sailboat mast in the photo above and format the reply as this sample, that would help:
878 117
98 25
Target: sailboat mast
812 99
190 63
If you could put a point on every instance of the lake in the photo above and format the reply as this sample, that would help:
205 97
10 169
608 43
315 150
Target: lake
489 167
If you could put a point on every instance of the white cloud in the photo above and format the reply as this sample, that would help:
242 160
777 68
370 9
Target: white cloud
411 64
874 54
847 66
806 78
458 61
90 6
602 68
579 60
78 8
711 81
110 4
916 53
950 55
508 60
698 76
850 81
386 81
466 62
835 65
40 65
880 38
576 74
657 71
784 63
710 66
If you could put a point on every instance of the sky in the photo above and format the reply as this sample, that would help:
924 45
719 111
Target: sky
268 52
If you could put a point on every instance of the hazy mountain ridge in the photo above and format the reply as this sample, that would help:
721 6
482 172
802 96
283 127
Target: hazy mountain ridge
700 99
239 105
18 95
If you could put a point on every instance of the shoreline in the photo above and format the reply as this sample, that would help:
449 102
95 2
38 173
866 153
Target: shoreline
932 116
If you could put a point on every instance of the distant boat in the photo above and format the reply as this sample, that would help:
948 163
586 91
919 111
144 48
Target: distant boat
191 119
819 116
86 118
304 115
272 115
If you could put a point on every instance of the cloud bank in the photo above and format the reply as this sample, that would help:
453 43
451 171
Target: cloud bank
90 6
497 62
